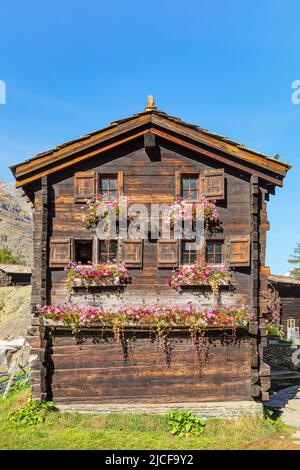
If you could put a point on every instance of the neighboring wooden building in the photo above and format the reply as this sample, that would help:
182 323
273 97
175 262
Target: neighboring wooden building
284 299
150 157
14 275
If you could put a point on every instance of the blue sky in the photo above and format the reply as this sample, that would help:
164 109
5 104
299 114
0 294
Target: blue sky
72 67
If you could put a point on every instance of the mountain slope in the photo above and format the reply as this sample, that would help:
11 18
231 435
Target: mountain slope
16 222
15 314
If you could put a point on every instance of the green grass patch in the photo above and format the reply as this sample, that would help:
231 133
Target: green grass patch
134 431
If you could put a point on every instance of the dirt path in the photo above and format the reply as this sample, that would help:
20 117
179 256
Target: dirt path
288 402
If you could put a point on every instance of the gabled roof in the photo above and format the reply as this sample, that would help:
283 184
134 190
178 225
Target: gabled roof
166 127
15 269
284 280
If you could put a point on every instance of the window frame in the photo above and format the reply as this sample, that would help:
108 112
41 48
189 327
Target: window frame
198 253
98 255
108 176
215 241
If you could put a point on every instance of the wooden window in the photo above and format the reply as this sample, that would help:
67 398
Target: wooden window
214 252
108 185
60 252
132 253
167 253
213 184
189 187
84 185
108 250
188 254
83 251
238 251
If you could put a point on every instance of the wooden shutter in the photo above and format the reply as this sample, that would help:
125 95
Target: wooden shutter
60 252
84 185
213 184
120 183
177 184
167 253
238 251
132 253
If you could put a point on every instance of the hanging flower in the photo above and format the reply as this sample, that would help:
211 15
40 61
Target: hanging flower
190 211
152 315
102 207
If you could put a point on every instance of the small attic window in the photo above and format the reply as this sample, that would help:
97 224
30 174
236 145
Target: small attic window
189 187
109 185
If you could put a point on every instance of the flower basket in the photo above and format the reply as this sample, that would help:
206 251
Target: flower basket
98 275
200 275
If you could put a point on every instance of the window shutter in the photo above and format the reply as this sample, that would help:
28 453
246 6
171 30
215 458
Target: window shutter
132 253
120 183
177 184
167 253
213 184
238 251
84 185
60 252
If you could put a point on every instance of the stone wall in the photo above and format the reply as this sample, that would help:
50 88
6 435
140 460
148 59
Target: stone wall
279 355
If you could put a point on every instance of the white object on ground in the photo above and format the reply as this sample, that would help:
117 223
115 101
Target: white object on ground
16 355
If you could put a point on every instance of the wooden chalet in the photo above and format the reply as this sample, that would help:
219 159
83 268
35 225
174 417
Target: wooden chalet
14 275
284 299
151 157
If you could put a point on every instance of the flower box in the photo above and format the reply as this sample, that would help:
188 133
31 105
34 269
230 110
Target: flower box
98 275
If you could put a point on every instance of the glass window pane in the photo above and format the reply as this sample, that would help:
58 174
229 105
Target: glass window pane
194 183
218 259
218 248
185 259
185 183
193 194
104 183
113 183
209 258
210 248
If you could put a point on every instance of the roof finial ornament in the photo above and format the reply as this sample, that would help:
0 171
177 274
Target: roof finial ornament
150 104
276 156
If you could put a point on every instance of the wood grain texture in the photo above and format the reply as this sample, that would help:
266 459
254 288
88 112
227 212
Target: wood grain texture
94 368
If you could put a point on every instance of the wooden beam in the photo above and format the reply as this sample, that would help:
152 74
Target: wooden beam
78 159
218 144
58 154
149 141
169 137
220 158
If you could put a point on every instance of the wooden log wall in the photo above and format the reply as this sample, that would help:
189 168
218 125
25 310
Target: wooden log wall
40 290
93 368
150 181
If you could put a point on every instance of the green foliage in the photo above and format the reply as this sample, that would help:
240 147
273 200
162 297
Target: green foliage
273 329
34 412
6 257
272 418
183 423
295 259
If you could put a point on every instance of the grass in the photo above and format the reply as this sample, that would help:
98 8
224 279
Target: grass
133 432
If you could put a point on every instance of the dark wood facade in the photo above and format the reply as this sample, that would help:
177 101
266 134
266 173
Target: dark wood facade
14 275
284 294
149 153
